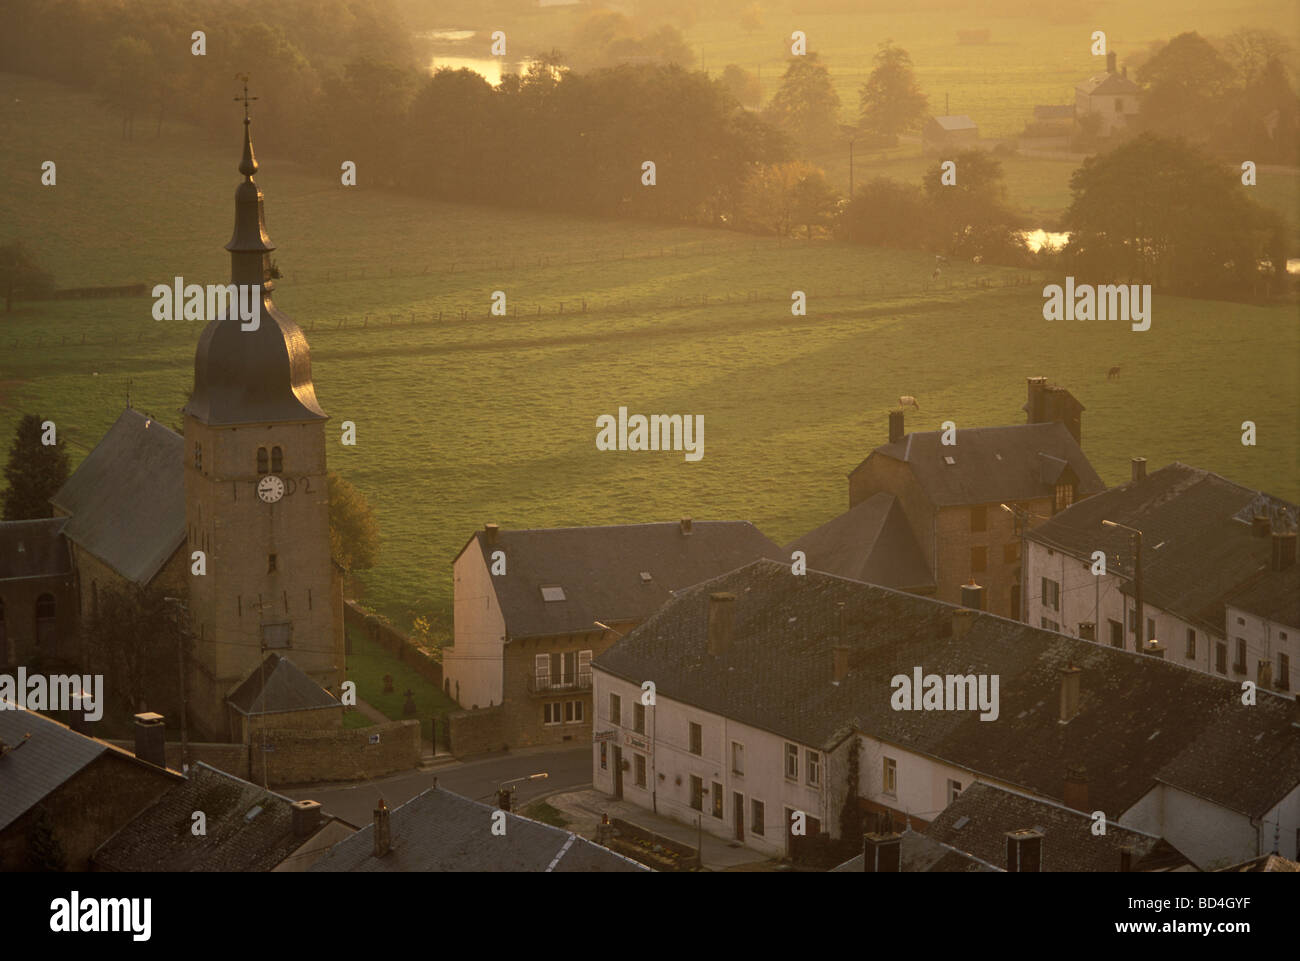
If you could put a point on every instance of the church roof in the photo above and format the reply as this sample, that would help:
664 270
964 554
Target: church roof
127 499
277 686
258 375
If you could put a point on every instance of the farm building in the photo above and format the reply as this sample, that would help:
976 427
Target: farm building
1051 120
1112 96
955 131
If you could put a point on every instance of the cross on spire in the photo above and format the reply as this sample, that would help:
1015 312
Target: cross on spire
243 78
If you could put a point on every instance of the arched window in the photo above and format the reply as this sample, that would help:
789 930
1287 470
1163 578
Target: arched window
45 633
277 460
261 460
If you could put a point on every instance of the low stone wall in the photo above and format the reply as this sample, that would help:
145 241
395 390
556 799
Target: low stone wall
304 757
477 732
379 630
231 758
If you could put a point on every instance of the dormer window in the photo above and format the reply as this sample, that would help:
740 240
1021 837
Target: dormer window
262 461
1064 496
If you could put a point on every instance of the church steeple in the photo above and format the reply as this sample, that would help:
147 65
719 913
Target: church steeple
245 376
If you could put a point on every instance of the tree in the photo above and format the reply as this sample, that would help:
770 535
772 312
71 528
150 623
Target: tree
967 209
887 213
815 201
891 100
34 473
1187 83
779 196
1249 51
134 636
806 106
744 86
751 18
354 532
20 274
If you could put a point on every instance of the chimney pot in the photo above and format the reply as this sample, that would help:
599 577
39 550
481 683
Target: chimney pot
151 738
1024 851
1155 648
1139 469
720 617
1034 405
962 619
1087 631
1283 550
840 655
1110 61
383 830
896 431
972 596
1260 526
1126 858
1076 789
1069 693
687 524
306 818
882 853
490 532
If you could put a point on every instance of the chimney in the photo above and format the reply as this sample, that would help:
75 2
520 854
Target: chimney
896 426
1265 675
1110 62
882 853
1076 788
686 525
1126 858
840 652
1024 851
962 619
490 532
1034 406
1283 550
1069 693
720 613
383 830
1260 526
150 739
972 596
1139 469
1123 71
1155 648
1087 631
306 818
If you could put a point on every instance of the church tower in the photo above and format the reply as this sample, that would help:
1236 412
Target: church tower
256 500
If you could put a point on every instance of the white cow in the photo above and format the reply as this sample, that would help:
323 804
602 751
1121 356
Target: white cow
908 401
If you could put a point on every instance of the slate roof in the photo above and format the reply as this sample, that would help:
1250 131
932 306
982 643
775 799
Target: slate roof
924 854
954 122
127 498
992 464
1272 595
871 542
1136 713
1195 550
441 831
277 686
1264 864
1108 85
237 839
33 549
33 767
986 812
599 569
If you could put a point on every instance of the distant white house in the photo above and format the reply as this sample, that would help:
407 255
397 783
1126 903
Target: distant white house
1111 96
954 131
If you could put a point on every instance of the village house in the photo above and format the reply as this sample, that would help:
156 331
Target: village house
441 831
38 596
1111 97
533 607
949 133
770 689
953 498
1219 580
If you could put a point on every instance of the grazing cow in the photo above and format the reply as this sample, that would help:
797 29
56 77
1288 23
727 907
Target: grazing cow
1113 374
935 275
908 401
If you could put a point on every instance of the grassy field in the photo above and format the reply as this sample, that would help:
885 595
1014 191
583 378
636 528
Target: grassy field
475 420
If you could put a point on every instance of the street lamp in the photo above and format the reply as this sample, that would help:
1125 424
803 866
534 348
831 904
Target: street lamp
1137 576
505 798
605 627
1022 523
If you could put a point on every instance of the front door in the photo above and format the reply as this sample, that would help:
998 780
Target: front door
618 773
738 807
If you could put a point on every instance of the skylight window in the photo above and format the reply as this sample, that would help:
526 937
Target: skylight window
949 460
645 577
253 812
553 593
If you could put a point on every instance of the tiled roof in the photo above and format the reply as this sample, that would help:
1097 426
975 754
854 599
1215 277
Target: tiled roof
33 549
1264 864
127 498
1136 713
248 828
992 464
924 854
1108 85
1195 549
870 542
441 831
279 685
599 569
1272 595
979 819
955 122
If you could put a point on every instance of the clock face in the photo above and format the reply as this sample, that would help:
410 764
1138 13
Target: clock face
270 488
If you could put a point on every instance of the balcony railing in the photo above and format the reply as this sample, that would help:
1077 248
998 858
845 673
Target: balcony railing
558 684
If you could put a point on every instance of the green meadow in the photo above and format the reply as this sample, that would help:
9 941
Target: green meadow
476 418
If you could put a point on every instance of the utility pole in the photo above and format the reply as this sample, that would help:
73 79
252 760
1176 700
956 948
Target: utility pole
1139 626
181 612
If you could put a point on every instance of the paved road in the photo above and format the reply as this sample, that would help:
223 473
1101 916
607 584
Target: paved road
569 768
